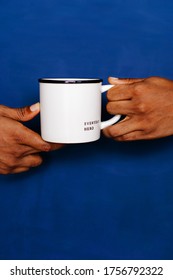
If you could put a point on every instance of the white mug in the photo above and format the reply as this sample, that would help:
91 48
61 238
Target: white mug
70 110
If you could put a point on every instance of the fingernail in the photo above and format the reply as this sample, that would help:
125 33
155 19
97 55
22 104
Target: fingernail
113 78
35 107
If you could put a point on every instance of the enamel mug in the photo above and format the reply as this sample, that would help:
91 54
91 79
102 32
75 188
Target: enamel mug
70 109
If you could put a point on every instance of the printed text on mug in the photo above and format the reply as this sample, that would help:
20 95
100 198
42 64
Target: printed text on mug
89 125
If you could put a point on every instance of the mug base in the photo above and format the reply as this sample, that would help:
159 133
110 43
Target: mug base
60 141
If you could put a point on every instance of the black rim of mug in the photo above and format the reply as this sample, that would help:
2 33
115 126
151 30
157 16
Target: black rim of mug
69 81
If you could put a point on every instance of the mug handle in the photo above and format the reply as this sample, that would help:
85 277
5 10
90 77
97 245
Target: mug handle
116 117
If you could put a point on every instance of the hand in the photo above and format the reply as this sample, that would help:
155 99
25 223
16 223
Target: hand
20 146
147 105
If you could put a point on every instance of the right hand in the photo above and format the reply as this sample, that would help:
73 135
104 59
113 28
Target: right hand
148 107
20 146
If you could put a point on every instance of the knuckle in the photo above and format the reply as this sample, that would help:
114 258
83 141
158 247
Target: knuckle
19 132
137 90
8 165
112 132
146 125
119 138
37 160
141 107
12 162
152 79
110 95
21 113
147 130
17 154
46 147
125 137
110 108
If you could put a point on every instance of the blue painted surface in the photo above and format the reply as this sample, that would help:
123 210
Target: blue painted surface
102 200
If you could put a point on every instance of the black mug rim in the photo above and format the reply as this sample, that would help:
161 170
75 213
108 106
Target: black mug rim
70 80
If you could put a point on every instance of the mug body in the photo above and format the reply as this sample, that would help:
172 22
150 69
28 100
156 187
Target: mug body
70 110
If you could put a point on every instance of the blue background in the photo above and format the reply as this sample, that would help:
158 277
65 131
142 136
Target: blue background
102 200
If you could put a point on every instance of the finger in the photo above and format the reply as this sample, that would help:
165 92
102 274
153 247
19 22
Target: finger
7 170
123 127
21 165
26 150
132 136
19 170
55 146
29 138
20 114
122 81
120 92
30 161
120 107
123 89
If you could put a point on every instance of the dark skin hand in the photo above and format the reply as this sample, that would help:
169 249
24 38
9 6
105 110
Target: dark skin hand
20 146
147 105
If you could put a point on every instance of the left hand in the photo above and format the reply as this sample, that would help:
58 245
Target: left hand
20 147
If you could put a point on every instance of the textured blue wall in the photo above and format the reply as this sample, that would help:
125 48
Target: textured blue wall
102 200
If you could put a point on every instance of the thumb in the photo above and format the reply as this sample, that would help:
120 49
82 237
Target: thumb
21 114
122 81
